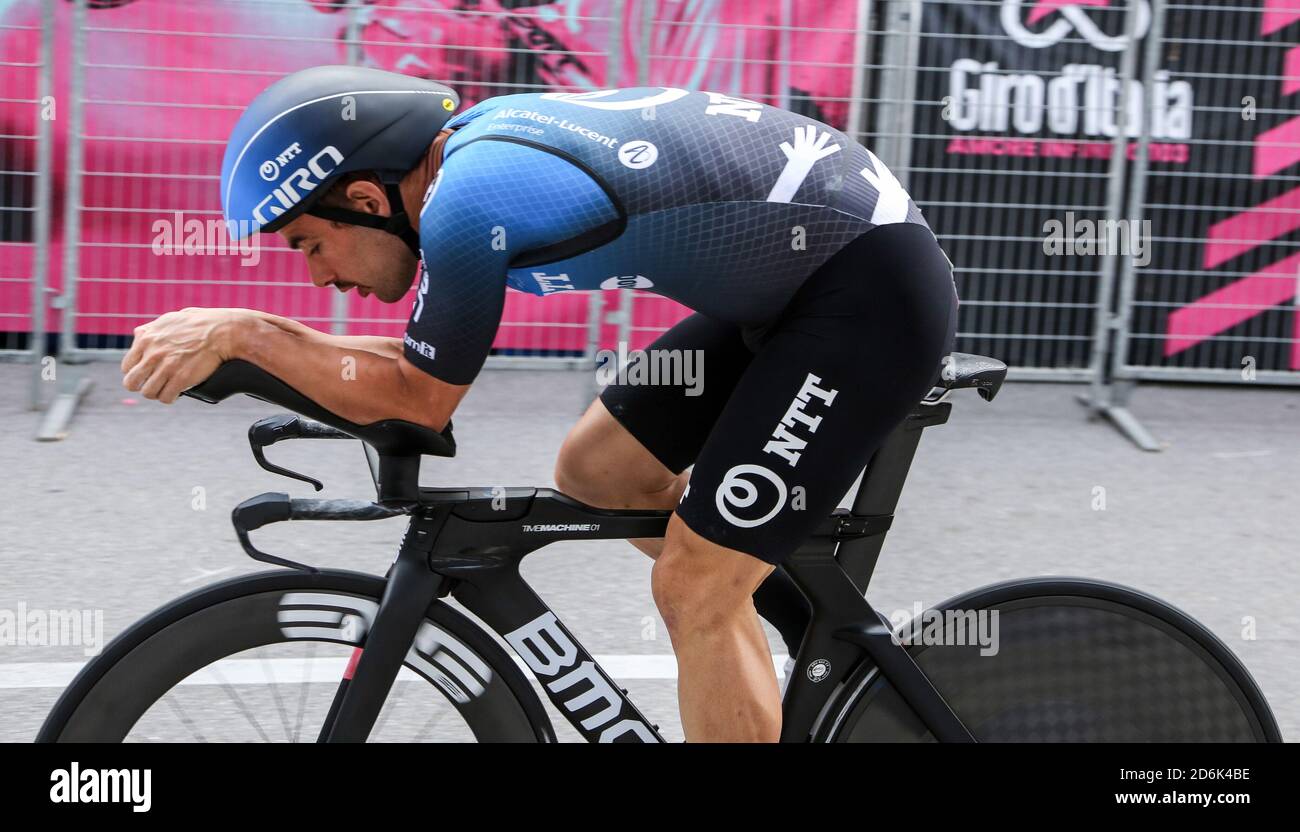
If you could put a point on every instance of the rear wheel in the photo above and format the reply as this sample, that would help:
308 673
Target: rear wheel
1075 661
259 659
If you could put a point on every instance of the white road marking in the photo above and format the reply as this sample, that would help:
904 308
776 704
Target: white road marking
1239 454
18 675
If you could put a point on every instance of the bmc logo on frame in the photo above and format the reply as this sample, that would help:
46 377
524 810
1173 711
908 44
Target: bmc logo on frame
547 649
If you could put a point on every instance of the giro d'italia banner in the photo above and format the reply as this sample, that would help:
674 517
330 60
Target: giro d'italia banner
1014 142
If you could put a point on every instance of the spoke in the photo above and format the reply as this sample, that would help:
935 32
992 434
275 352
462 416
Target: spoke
172 699
302 696
275 696
429 725
239 703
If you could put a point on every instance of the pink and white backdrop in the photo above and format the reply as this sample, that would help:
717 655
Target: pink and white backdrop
1007 121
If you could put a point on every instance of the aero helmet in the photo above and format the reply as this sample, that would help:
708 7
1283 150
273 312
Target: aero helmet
313 126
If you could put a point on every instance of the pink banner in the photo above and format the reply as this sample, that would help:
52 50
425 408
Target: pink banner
165 82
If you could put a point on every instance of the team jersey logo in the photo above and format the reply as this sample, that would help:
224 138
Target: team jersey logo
739 491
638 154
892 200
420 295
810 146
601 99
740 488
627 281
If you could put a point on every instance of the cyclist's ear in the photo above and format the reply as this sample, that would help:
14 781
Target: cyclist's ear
358 191
367 197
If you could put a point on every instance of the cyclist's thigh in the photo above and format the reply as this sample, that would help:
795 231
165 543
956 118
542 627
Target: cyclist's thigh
671 414
858 347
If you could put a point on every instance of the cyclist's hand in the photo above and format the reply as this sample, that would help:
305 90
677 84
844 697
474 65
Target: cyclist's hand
178 350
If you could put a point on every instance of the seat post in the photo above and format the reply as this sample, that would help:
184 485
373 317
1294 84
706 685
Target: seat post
882 484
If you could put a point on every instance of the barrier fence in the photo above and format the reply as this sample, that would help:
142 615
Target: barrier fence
1114 214
25 163
1218 299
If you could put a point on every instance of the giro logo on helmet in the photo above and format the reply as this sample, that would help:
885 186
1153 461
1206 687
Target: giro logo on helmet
297 184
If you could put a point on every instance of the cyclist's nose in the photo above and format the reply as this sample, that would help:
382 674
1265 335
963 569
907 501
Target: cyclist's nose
321 276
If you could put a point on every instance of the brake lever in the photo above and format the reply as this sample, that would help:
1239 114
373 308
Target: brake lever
273 429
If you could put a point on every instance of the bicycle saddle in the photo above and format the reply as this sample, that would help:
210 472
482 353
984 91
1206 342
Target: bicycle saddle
963 369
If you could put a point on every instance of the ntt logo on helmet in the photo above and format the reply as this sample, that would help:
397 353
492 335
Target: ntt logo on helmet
297 184
270 169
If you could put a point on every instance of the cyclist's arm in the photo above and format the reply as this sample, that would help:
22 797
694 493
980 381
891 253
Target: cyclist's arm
378 344
357 384
494 200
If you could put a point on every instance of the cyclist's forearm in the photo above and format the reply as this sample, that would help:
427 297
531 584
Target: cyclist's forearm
388 347
357 384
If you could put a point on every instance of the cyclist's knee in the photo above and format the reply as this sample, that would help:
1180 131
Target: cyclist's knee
700 586
602 465
584 474
575 474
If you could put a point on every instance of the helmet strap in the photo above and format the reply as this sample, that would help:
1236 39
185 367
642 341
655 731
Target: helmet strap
397 224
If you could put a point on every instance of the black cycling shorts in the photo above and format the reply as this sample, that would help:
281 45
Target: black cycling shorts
786 417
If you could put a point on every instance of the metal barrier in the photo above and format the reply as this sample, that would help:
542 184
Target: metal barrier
1002 117
1218 301
156 97
1000 145
26 140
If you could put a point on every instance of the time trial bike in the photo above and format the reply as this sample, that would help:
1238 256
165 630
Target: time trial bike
300 653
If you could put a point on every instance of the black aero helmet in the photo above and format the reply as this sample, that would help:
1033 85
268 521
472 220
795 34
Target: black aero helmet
309 128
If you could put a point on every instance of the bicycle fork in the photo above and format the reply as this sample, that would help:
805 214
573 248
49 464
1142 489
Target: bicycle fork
412 587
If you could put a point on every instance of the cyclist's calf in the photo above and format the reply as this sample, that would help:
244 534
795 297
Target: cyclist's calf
727 687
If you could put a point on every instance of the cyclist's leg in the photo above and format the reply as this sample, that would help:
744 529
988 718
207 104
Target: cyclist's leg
632 447
857 349
727 689
603 465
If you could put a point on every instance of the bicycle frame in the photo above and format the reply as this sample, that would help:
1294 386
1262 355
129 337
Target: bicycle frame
469 543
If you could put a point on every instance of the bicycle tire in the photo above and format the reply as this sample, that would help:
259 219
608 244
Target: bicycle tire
1077 661
459 660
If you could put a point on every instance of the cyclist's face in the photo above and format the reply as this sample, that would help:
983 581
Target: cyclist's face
348 256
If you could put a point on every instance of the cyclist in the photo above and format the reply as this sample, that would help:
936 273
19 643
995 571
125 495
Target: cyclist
823 306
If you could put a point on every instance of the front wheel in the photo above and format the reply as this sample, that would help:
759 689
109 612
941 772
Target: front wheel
259 658
1071 661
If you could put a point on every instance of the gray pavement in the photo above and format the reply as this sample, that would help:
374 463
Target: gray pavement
132 509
